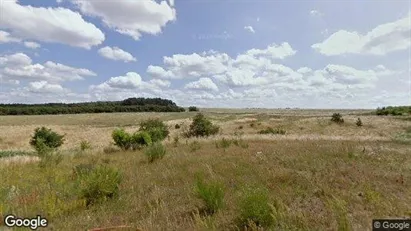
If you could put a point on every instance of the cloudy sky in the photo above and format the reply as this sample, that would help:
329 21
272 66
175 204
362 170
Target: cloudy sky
208 53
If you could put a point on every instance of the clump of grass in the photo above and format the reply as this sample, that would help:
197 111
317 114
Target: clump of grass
270 130
110 149
194 146
240 143
99 184
337 118
359 122
176 140
155 152
255 208
212 194
85 145
223 143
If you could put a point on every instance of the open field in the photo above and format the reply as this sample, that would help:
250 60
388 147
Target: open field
319 175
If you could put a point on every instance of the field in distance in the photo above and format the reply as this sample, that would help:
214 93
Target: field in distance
319 175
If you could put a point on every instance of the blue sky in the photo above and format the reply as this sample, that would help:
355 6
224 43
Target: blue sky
307 54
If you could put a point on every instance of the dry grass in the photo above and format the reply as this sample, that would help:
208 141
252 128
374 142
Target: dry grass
325 175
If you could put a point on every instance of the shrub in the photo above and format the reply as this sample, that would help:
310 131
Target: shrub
270 130
45 138
194 146
223 143
201 126
155 151
337 118
122 139
140 139
82 169
99 184
177 126
85 145
156 128
359 122
240 127
212 194
193 108
255 208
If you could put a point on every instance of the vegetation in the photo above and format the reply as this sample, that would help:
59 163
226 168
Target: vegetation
193 108
359 122
201 126
223 143
85 145
156 128
126 141
99 184
127 105
255 208
337 118
395 111
45 138
155 152
212 194
270 130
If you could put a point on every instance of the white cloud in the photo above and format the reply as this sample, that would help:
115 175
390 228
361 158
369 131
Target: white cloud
202 84
250 29
58 25
315 13
45 87
6 37
161 82
129 17
32 45
383 39
130 80
19 66
116 53
274 51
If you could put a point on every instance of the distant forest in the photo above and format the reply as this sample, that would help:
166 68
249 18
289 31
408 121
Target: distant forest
127 105
395 111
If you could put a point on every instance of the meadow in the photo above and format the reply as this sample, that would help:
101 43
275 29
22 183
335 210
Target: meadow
318 175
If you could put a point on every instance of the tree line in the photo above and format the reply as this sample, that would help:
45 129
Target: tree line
127 105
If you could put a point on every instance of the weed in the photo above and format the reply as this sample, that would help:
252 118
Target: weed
85 145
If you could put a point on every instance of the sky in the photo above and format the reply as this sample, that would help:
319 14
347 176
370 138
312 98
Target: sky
208 53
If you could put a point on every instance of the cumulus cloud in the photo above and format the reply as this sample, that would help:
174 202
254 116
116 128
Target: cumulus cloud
45 87
161 82
132 18
250 29
116 53
57 25
19 66
383 39
202 84
32 45
6 37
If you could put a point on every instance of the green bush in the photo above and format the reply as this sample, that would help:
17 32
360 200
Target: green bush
359 122
270 130
193 108
155 152
85 145
99 184
122 139
255 208
140 139
212 194
45 138
337 118
395 111
156 128
201 126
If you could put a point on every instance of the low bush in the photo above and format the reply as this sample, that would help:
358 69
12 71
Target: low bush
155 152
270 130
193 108
85 145
156 128
122 139
212 194
337 118
201 126
359 122
140 139
99 184
255 208
45 138
177 126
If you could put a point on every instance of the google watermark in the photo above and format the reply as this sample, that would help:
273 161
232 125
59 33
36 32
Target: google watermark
391 224
13 221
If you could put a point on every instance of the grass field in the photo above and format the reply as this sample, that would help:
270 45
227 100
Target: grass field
319 175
